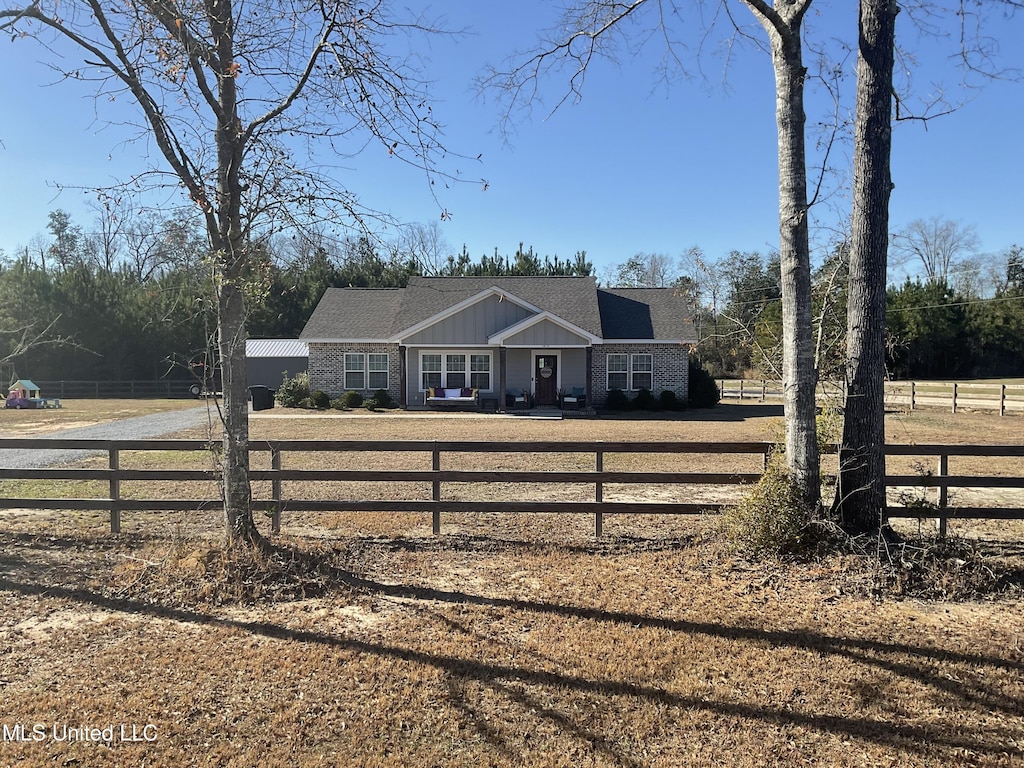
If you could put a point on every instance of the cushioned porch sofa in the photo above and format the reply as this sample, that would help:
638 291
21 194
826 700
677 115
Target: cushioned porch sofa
438 397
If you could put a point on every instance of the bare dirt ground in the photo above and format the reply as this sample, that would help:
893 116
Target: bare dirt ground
509 640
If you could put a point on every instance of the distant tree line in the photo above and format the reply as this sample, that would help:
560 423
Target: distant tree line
962 318
132 300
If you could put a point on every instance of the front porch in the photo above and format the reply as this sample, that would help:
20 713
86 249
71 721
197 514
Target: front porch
513 379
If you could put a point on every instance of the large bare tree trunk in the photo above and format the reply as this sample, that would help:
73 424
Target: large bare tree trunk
860 494
799 374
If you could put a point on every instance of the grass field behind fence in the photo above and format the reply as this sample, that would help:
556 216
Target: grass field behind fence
510 640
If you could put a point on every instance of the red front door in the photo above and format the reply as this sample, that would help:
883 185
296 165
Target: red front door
545 376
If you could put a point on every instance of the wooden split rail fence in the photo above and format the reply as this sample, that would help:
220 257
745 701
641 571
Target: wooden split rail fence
277 502
116 502
905 395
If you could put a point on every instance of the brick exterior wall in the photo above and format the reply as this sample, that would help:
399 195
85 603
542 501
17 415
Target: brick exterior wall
671 368
327 367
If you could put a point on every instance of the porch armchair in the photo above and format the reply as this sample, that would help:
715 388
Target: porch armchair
515 400
575 399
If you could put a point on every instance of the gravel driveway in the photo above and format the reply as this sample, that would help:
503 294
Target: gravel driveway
135 428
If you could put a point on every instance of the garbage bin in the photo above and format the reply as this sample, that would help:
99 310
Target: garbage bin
262 398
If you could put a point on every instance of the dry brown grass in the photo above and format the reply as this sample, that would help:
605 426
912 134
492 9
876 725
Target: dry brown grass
509 640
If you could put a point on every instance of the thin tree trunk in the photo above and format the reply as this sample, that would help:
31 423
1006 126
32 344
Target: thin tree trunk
241 527
798 372
860 493
231 257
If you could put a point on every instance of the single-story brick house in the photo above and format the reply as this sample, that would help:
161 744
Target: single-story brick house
538 335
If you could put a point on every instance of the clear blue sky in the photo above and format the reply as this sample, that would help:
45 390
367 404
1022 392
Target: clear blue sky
633 167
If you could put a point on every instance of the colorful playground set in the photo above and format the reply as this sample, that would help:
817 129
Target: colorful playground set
25 394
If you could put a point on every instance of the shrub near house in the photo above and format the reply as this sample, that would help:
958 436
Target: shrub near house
534 335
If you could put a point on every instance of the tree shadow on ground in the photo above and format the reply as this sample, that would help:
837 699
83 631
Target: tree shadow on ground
911 662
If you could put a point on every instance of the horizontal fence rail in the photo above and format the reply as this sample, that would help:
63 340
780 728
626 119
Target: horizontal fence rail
436 476
127 389
273 453
942 481
905 395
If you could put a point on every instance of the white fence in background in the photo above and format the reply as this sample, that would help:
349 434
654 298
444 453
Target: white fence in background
899 395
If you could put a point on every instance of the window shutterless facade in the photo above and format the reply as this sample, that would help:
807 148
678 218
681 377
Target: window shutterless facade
366 371
618 372
355 371
480 372
630 372
642 370
430 367
455 370
378 375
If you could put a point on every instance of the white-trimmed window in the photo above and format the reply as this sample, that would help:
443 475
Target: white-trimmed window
480 372
430 366
618 372
355 370
643 372
366 371
630 372
455 370
378 364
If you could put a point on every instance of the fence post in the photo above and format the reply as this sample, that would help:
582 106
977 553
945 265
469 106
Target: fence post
599 496
1002 399
436 513
741 389
954 397
275 485
764 390
913 394
943 499
115 491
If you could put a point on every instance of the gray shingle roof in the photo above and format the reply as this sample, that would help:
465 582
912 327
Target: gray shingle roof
645 313
354 313
571 298
621 313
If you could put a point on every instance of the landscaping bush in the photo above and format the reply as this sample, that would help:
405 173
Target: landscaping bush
320 399
383 398
669 401
645 401
304 403
617 401
770 521
337 405
703 389
352 399
292 391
